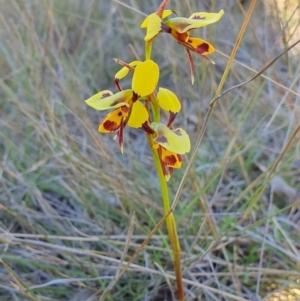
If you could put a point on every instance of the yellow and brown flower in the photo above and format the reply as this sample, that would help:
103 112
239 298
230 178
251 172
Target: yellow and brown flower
170 145
180 28
127 108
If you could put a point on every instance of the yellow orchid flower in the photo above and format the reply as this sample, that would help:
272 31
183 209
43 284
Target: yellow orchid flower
180 28
170 144
167 100
176 141
128 109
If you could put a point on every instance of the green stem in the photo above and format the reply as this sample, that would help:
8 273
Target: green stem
155 108
171 225
170 220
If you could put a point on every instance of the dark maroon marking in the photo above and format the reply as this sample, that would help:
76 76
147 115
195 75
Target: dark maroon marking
202 48
146 128
117 84
120 114
164 169
120 134
170 160
177 132
191 61
159 151
110 125
135 97
186 45
125 109
171 118
199 18
161 139
163 166
165 28
105 95
190 41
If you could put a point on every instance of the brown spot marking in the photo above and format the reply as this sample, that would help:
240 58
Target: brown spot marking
135 97
106 95
120 114
170 160
202 48
161 161
147 129
125 109
177 132
117 84
180 37
161 139
187 45
120 134
110 125
199 18
171 118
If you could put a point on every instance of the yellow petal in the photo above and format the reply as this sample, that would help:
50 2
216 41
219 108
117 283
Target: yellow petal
138 116
196 20
211 17
106 100
124 71
153 27
169 158
176 141
198 45
145 23
113 120
145 78
166 13
168 101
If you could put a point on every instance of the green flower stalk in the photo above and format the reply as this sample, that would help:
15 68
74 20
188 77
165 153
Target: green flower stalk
139 106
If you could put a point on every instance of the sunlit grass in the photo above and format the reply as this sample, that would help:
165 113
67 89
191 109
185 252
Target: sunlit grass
67 195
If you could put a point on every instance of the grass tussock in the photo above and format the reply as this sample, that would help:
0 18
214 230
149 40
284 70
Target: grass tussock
73 209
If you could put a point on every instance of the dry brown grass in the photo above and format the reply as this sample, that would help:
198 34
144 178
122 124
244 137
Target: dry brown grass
67 195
